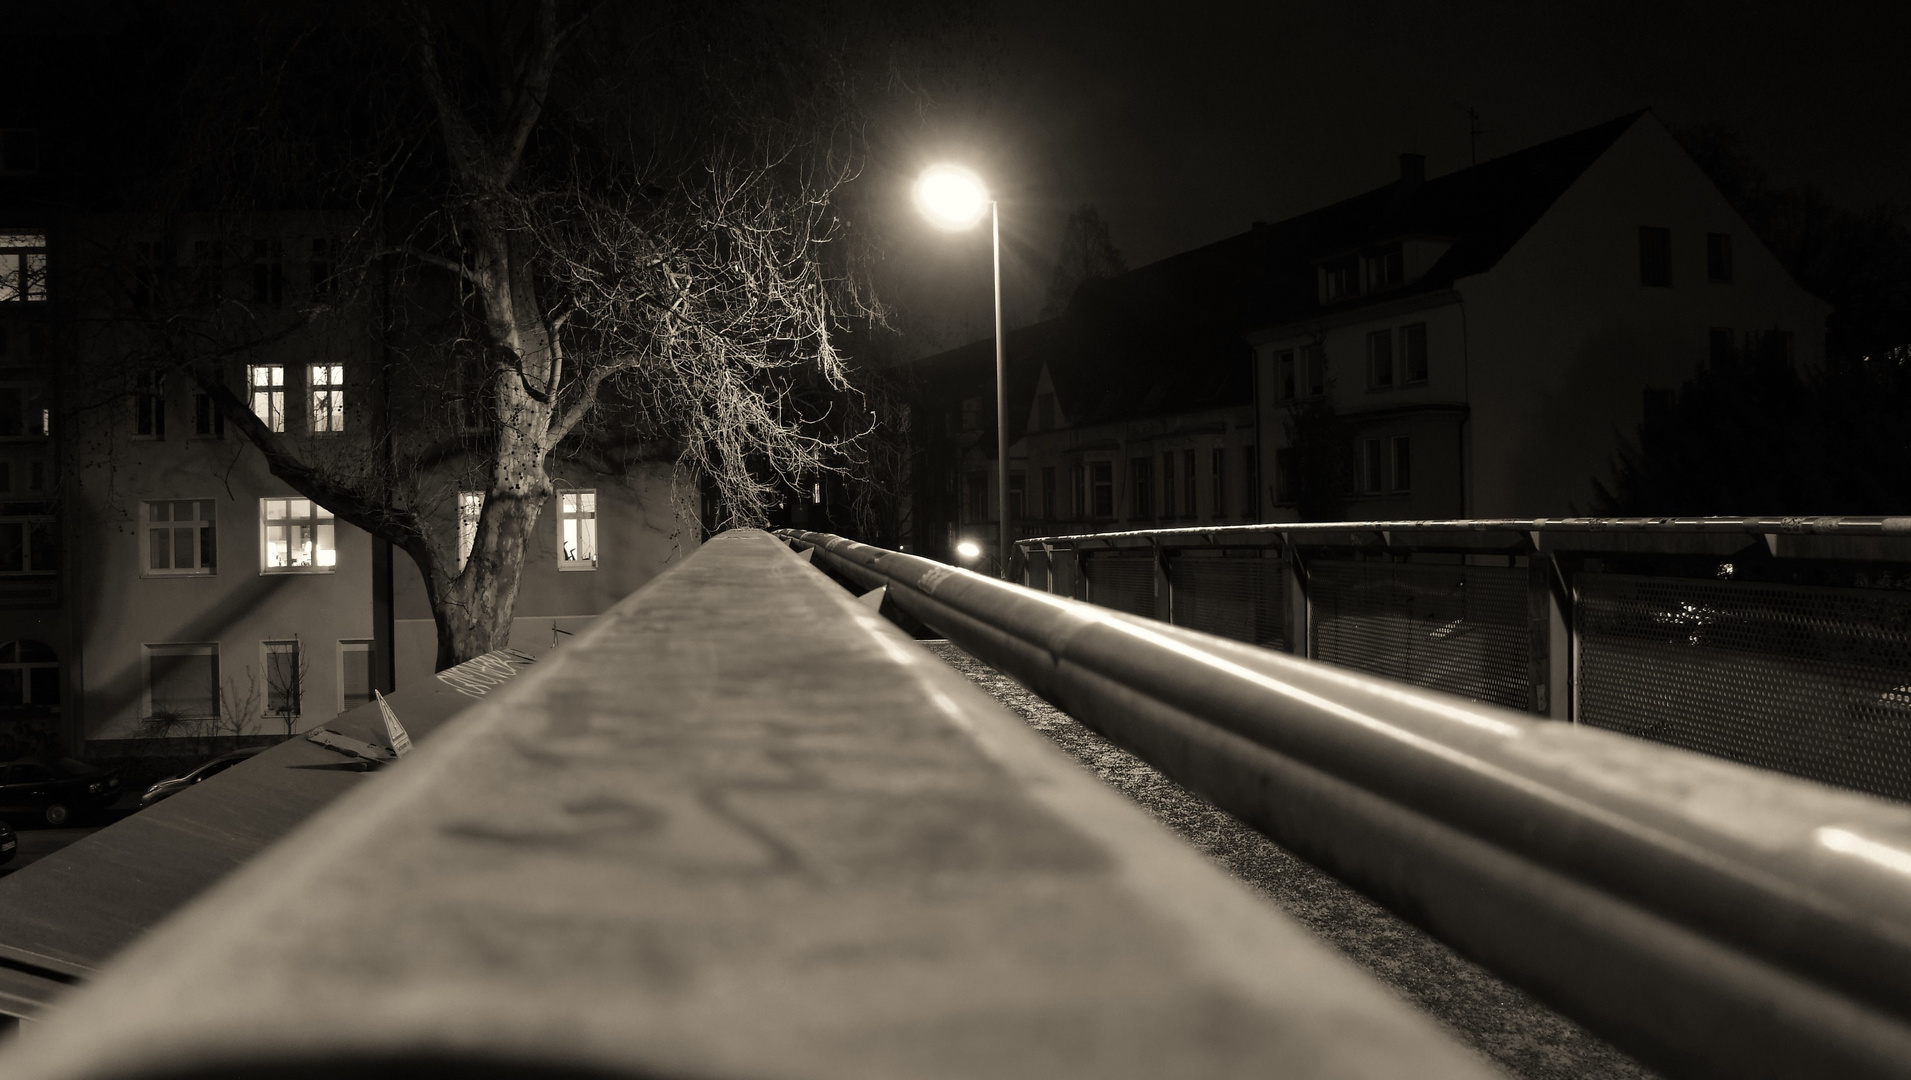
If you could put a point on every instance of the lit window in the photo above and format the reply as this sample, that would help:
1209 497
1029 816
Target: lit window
182 681
577 530
22 267
181 537
328 397
268 393
470 508
297 536
284 680
354 674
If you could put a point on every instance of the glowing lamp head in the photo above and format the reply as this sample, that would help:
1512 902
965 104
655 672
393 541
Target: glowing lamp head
967 550
951 197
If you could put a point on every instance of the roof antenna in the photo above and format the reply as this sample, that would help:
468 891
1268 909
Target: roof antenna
1473 131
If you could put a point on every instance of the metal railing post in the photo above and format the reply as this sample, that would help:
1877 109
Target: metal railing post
1296 614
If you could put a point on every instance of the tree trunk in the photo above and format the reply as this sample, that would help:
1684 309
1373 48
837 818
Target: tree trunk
473 611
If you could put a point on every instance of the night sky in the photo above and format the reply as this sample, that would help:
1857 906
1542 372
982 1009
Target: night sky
1185 123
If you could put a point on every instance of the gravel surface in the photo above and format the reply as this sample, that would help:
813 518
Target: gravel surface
1522 1036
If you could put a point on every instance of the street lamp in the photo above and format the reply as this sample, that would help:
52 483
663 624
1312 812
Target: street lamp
953 198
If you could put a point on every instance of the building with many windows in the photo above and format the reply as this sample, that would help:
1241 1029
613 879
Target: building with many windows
1470 345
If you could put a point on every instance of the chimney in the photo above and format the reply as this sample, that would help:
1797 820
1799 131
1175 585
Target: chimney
1413 168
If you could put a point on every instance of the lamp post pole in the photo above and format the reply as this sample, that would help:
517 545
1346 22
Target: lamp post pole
1001 396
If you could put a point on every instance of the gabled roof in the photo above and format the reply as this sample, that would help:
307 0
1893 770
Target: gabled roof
1171 336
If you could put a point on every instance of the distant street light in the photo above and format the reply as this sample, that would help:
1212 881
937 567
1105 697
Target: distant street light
952 197
967 550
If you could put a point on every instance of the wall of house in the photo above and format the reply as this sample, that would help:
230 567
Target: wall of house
1426 413
639 535
1564 340
119 607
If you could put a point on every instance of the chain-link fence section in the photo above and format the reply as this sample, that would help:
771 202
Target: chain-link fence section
1811 681
1125 582
1236 595
1461 629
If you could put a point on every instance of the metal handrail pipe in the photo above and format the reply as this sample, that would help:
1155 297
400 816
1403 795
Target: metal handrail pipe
1714 919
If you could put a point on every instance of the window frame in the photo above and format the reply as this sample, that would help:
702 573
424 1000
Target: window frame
1166 489
23 268
565 515
1400 464
1101 486
278 647
470 512
149 405
274 393
1655 257
1380 359
1410 335
205 539
1141 487
1286 376
179 648
325 382
1191 497
1373 466
350 646
30 524
320 521
1218 481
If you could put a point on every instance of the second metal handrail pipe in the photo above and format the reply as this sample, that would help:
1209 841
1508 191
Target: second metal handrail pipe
1712 918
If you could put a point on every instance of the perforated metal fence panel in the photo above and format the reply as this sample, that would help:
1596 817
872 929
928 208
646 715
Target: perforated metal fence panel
1461 629
1815 682
1123 582
1235 595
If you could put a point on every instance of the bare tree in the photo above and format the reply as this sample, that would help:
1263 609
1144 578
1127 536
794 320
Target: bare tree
656 271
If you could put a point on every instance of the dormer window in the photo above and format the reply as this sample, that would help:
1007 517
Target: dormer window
1339 280
1382 269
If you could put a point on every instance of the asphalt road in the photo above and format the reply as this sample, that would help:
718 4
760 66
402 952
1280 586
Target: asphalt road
37 841
1520 1035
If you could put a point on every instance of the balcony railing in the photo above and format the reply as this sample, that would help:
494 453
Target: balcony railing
1713 919
1778 642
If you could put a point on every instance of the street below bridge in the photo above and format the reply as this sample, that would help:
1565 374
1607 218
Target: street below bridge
1516 1032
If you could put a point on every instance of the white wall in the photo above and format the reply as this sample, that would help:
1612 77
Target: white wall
1564 340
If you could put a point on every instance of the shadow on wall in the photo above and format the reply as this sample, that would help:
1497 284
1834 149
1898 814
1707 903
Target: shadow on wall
113 702
1568 435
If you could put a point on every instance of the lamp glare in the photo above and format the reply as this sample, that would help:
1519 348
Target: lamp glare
967 550
951 196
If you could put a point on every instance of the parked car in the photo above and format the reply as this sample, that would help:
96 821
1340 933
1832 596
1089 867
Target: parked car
175 784
52 790
9 843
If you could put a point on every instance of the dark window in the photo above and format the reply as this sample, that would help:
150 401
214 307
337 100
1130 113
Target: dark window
1316 356
1655 256
208 260
1284 384
1018 482
1719 345
1218 482
1141 472
1167 485
182 681
149 404
1045 412
354 673
208 422
1373 467
1339 280
975 497
1382 269
1078 484
323 268
268 272
971 414
19 151
1284 475
1187 484
284 679
1402 463
1250 484
1380 359
1718 257
1413 352
1048 493
1102 476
